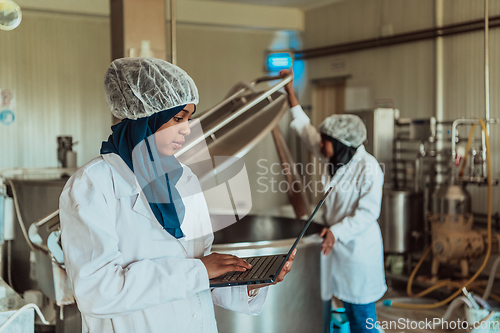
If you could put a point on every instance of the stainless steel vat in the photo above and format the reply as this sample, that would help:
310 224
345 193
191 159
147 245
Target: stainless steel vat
452 200
401 220
293 305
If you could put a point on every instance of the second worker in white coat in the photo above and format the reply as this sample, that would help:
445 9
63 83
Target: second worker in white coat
352 262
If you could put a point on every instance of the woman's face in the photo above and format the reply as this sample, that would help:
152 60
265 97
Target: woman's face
170 137
326 147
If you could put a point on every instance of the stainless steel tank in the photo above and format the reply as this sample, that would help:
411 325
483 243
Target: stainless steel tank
292 306
451 200
402 220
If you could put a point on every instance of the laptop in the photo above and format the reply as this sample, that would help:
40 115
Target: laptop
265 269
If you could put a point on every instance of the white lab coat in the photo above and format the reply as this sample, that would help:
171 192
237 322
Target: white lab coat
127 273
354 269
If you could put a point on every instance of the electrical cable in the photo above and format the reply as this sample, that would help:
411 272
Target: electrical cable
489 286
454 304
18 214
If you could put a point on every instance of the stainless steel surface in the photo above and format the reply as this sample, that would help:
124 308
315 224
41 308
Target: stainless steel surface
380 137
292 306
402 221
451 200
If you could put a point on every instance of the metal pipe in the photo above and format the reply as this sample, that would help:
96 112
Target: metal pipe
439 63
173 33
483 139
486 63
418 162
47 218
413 36
486 86
483 155
221 104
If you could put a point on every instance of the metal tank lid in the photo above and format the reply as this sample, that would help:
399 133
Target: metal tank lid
235 125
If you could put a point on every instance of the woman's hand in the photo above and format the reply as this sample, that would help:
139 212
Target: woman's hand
328 241
292 99
289 85
219 264
281 276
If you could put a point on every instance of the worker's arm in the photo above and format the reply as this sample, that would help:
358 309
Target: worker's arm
292 98
301 123
104 285
368 207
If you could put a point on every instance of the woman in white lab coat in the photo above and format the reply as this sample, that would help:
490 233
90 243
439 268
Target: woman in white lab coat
352 261
136 231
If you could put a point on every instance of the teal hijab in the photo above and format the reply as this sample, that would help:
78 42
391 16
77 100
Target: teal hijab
133 141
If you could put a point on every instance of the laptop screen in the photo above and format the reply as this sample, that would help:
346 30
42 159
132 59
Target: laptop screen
308 223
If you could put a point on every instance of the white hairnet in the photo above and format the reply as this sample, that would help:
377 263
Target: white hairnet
139 87
347 128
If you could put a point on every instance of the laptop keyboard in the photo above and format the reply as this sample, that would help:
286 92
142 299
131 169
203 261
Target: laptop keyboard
260 266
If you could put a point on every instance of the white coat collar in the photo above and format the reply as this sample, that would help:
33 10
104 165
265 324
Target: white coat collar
360 151
125 184
358 155
124 180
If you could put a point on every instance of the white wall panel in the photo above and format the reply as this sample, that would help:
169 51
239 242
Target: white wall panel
402 74
355 20
55 65
466 10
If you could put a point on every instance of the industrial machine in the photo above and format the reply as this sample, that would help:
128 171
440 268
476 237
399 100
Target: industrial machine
428 204
65 154
28 196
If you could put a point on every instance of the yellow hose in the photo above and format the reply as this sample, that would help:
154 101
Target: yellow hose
474 277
